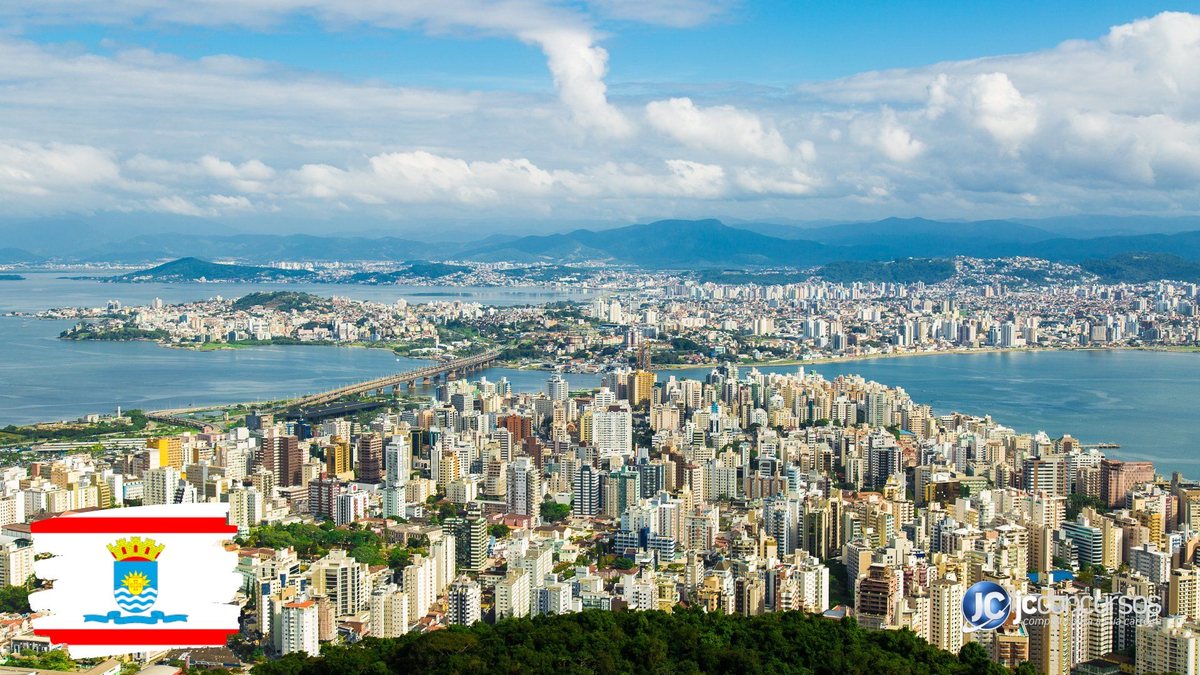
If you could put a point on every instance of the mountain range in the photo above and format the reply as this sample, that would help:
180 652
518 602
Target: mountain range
664 244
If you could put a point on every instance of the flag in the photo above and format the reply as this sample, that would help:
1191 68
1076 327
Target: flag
136 579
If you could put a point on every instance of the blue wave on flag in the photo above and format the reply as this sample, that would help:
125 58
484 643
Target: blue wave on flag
135 603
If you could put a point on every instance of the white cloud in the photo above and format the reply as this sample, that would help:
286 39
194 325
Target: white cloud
722 129
578 67
896 142
39 170
1000 109
249 176
575 61
1111 123
423 178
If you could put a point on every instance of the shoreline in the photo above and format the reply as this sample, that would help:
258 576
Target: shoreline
822 360
826 360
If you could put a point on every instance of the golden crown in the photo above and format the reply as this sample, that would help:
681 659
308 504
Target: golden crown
136 548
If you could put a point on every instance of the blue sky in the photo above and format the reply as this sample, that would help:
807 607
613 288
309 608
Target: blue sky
773 43
608 110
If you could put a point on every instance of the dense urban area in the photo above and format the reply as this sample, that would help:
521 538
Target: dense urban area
853 514
991 304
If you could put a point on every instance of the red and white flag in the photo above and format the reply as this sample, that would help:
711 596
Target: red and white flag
136 579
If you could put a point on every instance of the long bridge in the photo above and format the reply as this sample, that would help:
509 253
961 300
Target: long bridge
445 369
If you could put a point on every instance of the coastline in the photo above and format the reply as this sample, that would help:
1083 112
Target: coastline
1180 349
825 360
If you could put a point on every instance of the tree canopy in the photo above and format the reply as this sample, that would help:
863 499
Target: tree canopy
687 641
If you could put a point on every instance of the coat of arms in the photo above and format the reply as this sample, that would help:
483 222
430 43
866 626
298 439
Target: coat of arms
135 583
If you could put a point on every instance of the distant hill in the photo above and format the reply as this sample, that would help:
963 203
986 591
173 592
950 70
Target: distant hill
16 256
907 271
1143 267
195 269
257 248
1097 225
1183 244
931 232
666 244
284 301
419 269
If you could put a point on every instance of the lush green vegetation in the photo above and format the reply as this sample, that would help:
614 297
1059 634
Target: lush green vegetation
417 269
432 270
75 432
56 659
1143 267
1077 502
687 641
547 273
553 512
283 301
314 541
906 271
85 331
15 599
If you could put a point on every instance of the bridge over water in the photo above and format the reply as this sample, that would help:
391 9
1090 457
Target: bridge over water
442 369
433 372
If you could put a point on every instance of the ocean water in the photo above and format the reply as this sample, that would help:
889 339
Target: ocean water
44 290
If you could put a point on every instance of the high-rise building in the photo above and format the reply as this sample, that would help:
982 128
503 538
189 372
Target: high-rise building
370 458
524 494
641 386
1183 593
16 561
167 450
876 596
161 485
1045 474
612 430
585 496
1168 646
389 612
343 580
397 461
1117 478
619 489
245 509
946 615
1050 638
281 456
470 538
349 506
557 387
337 458
464 602
299 628
512 595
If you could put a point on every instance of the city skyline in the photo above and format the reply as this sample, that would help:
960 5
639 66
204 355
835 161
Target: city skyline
368 117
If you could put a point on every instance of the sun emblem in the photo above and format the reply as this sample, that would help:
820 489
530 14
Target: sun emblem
136 582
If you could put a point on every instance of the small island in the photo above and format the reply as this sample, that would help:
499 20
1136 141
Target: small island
11 277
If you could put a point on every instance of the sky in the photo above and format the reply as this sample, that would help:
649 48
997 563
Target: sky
399 113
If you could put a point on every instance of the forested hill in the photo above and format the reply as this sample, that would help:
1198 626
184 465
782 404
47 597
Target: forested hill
687 641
